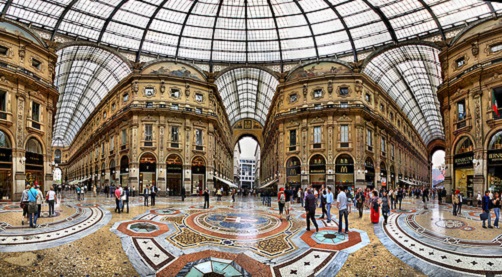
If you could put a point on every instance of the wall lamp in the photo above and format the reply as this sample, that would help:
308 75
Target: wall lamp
22 160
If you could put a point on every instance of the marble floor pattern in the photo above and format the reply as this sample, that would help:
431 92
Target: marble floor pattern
245 238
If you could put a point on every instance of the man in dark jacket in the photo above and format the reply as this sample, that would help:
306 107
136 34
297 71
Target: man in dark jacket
360 201
183 193
485 204
310 209
206 199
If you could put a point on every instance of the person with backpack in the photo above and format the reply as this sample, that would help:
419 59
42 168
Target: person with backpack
281 199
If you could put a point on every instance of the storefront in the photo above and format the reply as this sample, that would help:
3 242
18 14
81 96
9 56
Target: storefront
5 167
34 164
369 173
293 172
392 181
463 167
124 170
198 175
383 175
344 171
494 162
317 171
147 171
174 174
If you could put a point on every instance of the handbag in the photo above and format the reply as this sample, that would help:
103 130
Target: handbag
483 216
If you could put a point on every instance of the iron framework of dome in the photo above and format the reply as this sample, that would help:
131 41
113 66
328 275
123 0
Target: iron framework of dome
247 31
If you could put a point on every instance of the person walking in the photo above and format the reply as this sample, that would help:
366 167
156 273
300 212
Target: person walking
206 199
146 195
322 194
125 199
183 193
32 207
281 200
342 205
455 200
289 197
360 201
300 196
78 192
24 203
40 200
485 204
496 209
94 192
153 193
233 195
310 207
385 206
375 208
460 202
51 199
391 198
218 195
479 198
167 191
329 200
425 197
400 196
118 199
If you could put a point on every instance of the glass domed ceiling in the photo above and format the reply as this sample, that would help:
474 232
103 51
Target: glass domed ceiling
251 31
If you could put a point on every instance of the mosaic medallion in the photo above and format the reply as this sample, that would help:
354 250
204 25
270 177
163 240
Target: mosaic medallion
143 227
450 223
213 267
329 237
235 224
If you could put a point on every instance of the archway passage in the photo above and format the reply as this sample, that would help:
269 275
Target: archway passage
147 171
174 174
5 166
34 163
438 169
247 152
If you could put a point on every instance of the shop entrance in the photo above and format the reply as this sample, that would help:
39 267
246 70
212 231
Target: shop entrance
174 174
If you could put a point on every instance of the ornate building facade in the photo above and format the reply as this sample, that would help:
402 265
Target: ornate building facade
471 102
27 105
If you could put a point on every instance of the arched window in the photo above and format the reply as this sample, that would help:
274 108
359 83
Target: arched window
34 146
4 140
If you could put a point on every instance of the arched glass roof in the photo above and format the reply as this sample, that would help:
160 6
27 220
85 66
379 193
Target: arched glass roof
248 30
247 93
410 74
84 76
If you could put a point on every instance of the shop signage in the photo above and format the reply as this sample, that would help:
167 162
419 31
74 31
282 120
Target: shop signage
6 155
463 160
344 168
317 170
495 157
34 158
174 168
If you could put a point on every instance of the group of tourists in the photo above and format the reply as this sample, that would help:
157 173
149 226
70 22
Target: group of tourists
32 199
490 202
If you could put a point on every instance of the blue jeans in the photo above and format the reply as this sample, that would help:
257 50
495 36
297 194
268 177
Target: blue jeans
343 213
497 216
328 211
33 219
489 219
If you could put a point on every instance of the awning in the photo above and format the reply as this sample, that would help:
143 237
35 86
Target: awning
230 184
269 183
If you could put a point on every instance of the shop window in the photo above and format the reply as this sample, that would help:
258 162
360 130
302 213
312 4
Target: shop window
497 103
292 140
344 91
496 48
369 140
36 63
175 137
344 136
317 136
460 62
318 93
4 50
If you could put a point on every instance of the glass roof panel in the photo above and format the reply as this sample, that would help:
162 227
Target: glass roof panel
410 75
84 76
247 93
252 22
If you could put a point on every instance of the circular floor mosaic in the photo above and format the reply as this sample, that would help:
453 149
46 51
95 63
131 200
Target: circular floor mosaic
329 237
450 223
236 224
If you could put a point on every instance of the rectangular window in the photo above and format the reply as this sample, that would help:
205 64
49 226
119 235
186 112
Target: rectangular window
369 139
175 93
461 109
460 62
344 134
102 150
392 151
317 106
382 146
3 101
493 48
198 137
149 104
198 110
367 97
344 91
317 93
175 107
123 137
344 104
125 97
112 142
292 140
4 50
148 132
35 112
174 137
497 103
382 107
36 63
317 135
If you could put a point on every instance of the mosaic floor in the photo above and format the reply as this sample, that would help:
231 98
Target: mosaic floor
244 238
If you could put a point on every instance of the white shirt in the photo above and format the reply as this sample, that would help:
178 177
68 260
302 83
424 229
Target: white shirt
52 194
342 200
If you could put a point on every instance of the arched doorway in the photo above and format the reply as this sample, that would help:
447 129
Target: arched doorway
293 172
124 170
463 167
383 175
198 175
494 162
317 171
34 164
5 166
112 171
174 174
147 170
344 171
369 173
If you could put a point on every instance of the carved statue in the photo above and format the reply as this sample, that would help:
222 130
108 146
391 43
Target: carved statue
187 90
